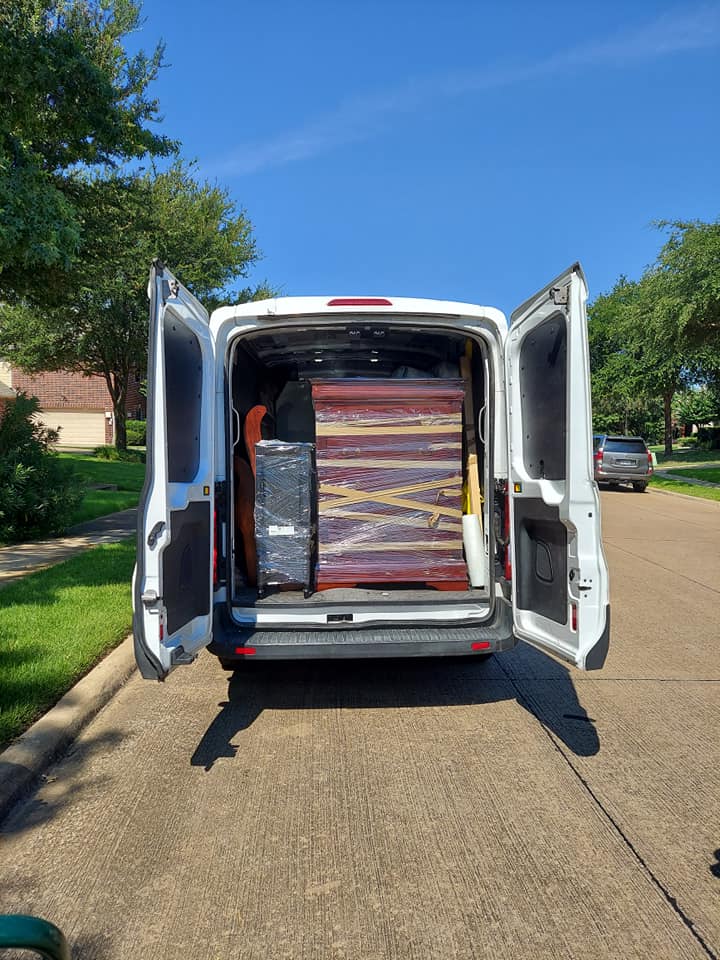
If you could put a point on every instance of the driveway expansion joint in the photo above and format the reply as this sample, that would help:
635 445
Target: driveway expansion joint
672 902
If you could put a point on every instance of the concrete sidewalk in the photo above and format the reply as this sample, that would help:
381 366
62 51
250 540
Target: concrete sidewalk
693 481
23 558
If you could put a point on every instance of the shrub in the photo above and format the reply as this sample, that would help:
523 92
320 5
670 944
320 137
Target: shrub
136 432
708 438
112 453
37 496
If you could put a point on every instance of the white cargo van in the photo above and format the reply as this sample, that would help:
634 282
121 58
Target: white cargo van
545 578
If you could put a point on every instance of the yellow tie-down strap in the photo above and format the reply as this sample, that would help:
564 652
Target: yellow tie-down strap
396 497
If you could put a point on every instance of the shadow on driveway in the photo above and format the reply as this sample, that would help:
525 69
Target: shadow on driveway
549 696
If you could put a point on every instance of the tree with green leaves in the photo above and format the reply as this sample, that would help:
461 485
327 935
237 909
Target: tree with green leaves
194 227
697 406
617 403
71 97
654 337
689 266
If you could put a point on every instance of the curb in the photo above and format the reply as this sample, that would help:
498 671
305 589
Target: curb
684 496
33 752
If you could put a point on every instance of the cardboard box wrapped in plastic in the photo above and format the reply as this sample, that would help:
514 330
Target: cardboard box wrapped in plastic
284 513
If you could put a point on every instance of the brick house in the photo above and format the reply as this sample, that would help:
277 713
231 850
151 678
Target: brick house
80 407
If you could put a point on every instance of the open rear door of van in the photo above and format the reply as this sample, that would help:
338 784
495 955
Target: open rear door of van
559 578
172 592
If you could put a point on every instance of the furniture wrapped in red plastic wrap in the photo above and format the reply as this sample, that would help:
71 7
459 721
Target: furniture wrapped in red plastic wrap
389 468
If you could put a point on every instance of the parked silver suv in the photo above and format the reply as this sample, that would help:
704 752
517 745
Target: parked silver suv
622 460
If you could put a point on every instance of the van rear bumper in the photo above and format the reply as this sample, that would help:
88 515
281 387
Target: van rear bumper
428 640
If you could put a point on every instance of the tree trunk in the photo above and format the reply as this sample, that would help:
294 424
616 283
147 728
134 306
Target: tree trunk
667 401
120 418
117 384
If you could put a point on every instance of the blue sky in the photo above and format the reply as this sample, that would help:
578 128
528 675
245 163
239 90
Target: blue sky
457 149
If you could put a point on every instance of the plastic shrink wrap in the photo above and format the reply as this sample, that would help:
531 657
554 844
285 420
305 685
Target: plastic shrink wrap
389 471
284 513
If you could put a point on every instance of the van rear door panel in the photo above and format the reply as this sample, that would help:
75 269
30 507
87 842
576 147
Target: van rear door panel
560 580
541 559
173 580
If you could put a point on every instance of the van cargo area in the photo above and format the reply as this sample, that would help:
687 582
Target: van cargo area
362 477
360 472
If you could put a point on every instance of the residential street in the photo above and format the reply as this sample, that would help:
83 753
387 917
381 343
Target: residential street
514 808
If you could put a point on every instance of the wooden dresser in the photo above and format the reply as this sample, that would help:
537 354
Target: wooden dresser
389 469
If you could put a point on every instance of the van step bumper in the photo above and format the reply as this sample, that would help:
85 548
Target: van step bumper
381 641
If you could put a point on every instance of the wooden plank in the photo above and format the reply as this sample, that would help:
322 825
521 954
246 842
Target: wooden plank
473 474
468 404
476 500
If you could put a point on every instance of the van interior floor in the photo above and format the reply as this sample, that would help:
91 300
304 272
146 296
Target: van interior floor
247 596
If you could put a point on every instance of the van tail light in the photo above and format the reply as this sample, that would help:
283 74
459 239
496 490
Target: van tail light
216 535
480 645
245 651
574 617
508 548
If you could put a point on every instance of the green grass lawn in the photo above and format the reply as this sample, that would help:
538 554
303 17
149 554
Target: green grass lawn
98 503
55 625
711 474
683 455
127 477
689 489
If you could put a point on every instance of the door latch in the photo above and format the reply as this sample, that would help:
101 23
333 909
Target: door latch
150 598
155 533
585 585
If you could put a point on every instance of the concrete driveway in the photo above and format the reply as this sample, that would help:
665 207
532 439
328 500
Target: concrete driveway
512 809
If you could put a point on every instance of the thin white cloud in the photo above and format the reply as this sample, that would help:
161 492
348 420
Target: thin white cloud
362 118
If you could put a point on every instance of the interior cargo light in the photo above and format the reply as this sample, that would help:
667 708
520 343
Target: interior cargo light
480 645
246 651
359 302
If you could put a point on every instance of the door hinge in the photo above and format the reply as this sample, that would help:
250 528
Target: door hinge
150 598
181 658
220 496
560 295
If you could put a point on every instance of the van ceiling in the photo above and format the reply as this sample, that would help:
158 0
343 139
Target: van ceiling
355 349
